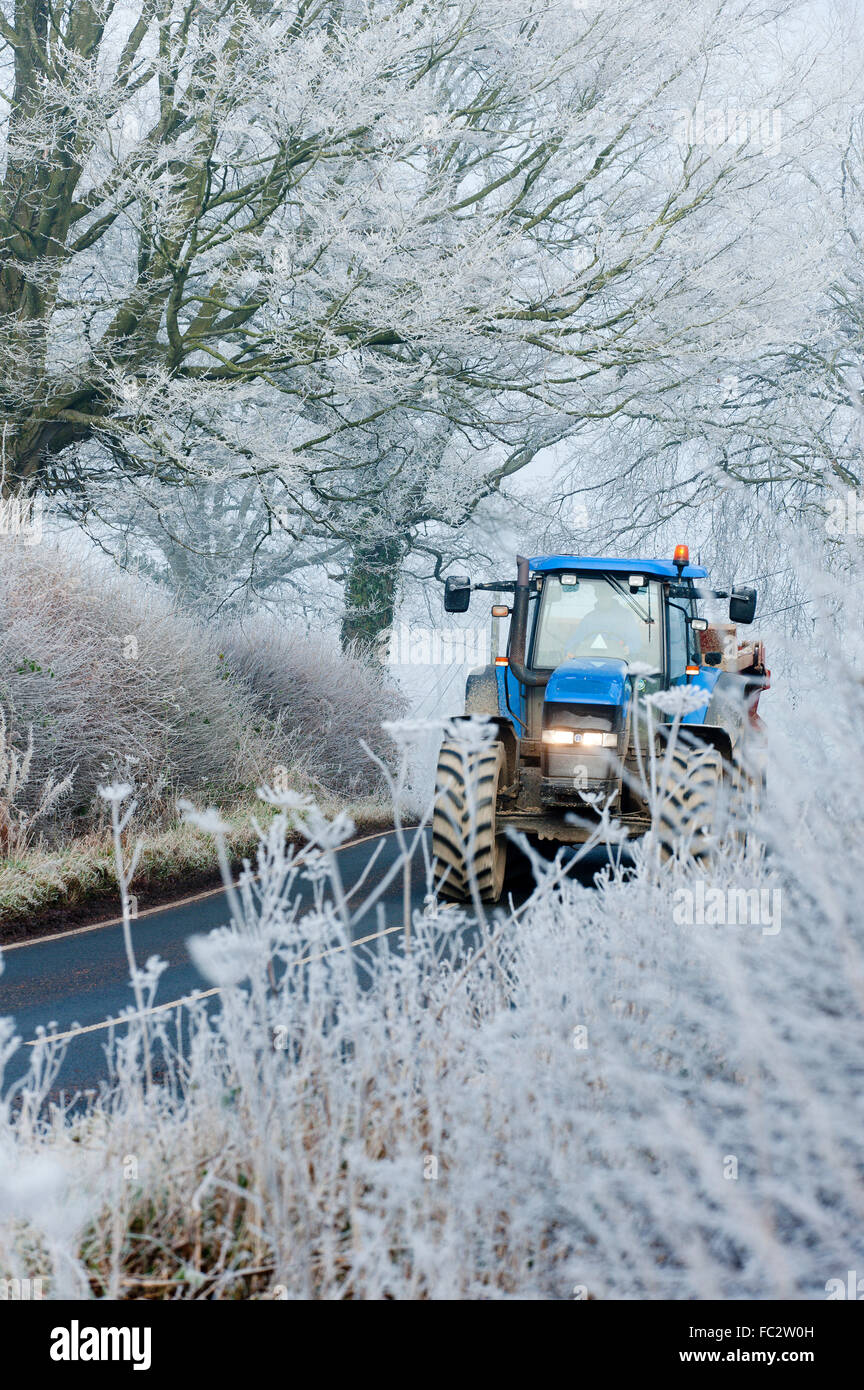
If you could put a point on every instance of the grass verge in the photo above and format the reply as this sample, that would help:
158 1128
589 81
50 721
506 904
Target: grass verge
51 889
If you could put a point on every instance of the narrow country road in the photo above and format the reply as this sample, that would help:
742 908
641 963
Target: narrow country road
75 983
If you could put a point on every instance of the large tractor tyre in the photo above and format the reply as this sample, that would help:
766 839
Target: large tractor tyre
465 841
691 816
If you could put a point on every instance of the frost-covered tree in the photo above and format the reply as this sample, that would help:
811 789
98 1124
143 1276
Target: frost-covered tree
371 255
218 546
769 435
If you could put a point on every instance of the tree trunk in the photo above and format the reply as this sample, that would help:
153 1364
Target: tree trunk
370 595
27 447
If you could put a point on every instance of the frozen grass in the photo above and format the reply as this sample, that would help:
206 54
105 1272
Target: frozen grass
595 1101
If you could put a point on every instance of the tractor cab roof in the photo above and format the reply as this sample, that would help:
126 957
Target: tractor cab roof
662 569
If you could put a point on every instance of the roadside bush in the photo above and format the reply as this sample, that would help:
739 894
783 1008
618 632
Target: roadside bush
112 678
115 680
327 700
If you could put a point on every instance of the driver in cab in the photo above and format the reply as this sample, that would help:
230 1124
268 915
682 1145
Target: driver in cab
613 622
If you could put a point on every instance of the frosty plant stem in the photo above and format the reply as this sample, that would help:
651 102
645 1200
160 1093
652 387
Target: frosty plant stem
212 824
115 795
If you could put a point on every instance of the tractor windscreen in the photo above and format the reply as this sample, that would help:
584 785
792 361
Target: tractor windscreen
596 615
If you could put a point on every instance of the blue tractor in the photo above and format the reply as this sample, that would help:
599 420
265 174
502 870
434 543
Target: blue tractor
568 711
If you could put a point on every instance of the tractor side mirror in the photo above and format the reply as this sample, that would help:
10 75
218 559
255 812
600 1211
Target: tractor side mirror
742 605
457 593
699 624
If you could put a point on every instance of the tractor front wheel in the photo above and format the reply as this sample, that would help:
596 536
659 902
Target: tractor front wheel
689 819
466 845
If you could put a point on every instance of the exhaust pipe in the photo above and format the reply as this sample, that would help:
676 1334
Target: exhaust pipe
519 628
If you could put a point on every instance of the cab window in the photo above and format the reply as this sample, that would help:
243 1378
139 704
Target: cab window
596 616
679 634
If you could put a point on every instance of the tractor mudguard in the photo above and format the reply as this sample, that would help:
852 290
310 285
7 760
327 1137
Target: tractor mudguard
481 692
504 735
712 734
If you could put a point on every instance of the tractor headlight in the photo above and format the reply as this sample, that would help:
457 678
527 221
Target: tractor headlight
588 738
592 738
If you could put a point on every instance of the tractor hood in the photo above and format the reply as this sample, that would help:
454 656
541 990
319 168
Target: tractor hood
589 680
